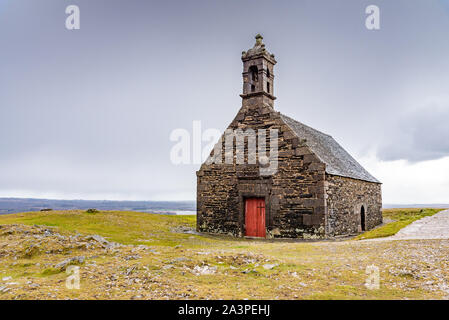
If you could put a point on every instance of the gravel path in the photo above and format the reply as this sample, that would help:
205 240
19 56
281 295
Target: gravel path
433 227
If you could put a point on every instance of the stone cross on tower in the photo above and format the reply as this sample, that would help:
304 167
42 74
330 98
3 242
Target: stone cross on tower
258 77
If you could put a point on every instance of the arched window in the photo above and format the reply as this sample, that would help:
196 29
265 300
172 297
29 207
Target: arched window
254 73
268 73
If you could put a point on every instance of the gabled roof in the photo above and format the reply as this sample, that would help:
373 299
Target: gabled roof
338 161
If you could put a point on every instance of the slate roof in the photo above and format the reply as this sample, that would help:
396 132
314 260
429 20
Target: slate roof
338 161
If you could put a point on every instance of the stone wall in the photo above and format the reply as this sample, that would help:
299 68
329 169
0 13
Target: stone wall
345 198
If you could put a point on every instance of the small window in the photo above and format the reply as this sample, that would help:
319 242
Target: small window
268 87
268 73
253 88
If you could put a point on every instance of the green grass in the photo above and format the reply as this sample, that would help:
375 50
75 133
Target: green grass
152 229
137 228
50 272
401 217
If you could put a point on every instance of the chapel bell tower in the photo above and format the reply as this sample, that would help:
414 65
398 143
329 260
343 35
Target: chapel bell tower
258 77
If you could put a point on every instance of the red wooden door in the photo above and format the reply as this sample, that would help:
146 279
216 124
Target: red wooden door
255 217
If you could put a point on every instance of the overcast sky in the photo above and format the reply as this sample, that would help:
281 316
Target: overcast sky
87 114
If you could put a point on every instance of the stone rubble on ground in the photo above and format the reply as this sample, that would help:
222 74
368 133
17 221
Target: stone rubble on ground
132 257
269 266
204 270
4 289
101 240
184 229
75 260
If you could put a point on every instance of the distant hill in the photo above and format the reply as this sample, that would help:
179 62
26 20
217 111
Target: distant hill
14 205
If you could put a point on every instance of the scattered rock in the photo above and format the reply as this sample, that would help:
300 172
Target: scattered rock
4 289
204 270
294 274
103 242
184 229
269 266
181 259
97 238
246 271
130 270
75 260
132 257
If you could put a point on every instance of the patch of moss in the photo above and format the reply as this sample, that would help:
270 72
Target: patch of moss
50 271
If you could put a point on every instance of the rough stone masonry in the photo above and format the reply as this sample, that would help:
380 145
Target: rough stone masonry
318 190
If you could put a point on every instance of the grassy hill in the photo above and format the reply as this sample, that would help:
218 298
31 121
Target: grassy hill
125 255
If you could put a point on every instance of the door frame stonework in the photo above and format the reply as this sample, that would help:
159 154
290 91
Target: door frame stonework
260 188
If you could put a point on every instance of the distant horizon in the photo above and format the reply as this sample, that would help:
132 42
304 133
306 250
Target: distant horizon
112 200
17 205
192 200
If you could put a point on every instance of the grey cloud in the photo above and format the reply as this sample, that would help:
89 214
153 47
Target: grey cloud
418 136
90 112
